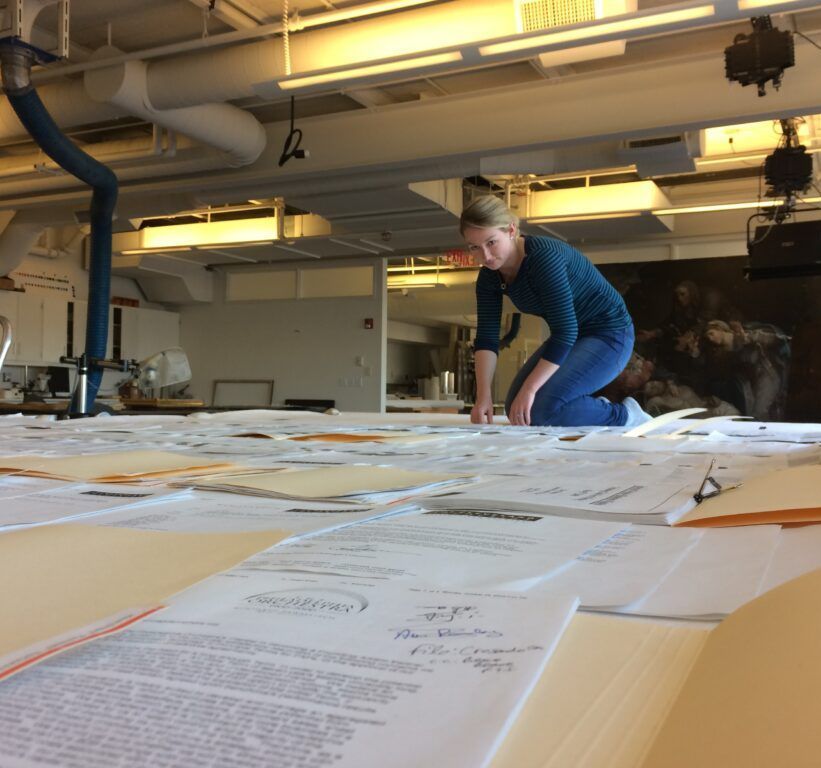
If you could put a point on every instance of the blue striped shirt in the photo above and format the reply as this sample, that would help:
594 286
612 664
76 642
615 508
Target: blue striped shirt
555 282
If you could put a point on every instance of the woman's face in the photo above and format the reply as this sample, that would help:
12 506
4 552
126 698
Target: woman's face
490 246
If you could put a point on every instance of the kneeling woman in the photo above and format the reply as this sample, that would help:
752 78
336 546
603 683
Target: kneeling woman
591 333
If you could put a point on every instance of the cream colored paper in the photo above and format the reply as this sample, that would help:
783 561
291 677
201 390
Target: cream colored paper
701 423
332 482
373 436
603 696
786 496
60 577
115 466
751 699
660 421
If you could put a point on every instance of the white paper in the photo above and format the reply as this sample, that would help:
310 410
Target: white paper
204 512
721 572
262 671
797 552
19 485
633 493
625 567
449 549
73 501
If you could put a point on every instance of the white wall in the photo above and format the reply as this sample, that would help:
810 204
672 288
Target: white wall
312 348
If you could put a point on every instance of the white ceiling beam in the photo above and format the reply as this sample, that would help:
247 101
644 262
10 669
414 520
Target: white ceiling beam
462 129
640 101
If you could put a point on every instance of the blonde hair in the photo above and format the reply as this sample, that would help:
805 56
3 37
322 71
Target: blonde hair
487 212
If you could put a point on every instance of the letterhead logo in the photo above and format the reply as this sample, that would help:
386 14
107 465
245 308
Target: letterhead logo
316 602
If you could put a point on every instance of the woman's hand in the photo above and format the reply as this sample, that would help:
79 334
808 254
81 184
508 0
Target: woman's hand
520 407
482 412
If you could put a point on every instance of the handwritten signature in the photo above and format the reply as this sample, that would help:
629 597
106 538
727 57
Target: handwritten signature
444 632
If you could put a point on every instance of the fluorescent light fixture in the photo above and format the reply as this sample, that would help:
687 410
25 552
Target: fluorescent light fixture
601 201
728 206
397 286
135 251
356 12
746 5
700 161
585 217
742 138
369 70
234 231
590 31
671 211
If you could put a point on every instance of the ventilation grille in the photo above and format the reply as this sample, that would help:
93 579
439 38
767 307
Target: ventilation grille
657 142
544 14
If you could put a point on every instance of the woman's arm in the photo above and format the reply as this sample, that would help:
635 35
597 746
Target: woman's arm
485 363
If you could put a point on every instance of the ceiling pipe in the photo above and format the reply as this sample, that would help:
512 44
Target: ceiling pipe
69 105
16 60
111 152
235 132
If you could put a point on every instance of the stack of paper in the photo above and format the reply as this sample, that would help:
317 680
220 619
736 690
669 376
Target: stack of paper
603 695
628 695
120 467
640 494
751 698
721 572
371 436
353 483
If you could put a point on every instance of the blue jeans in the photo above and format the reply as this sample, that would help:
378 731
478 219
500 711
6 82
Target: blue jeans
565 398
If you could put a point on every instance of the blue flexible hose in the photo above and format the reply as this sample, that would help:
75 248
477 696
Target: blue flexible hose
48 136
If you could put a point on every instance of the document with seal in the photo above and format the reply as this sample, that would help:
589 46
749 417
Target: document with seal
263 669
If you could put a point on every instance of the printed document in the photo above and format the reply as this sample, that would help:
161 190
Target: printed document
264 670
454 548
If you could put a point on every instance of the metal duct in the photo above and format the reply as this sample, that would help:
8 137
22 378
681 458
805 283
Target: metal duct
66 102
234 131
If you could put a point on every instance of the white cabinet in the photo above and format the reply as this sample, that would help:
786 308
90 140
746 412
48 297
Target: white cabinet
42 327
29 343
25 313
55 330
8 309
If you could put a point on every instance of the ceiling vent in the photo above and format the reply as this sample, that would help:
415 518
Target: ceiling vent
662 155
535 15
